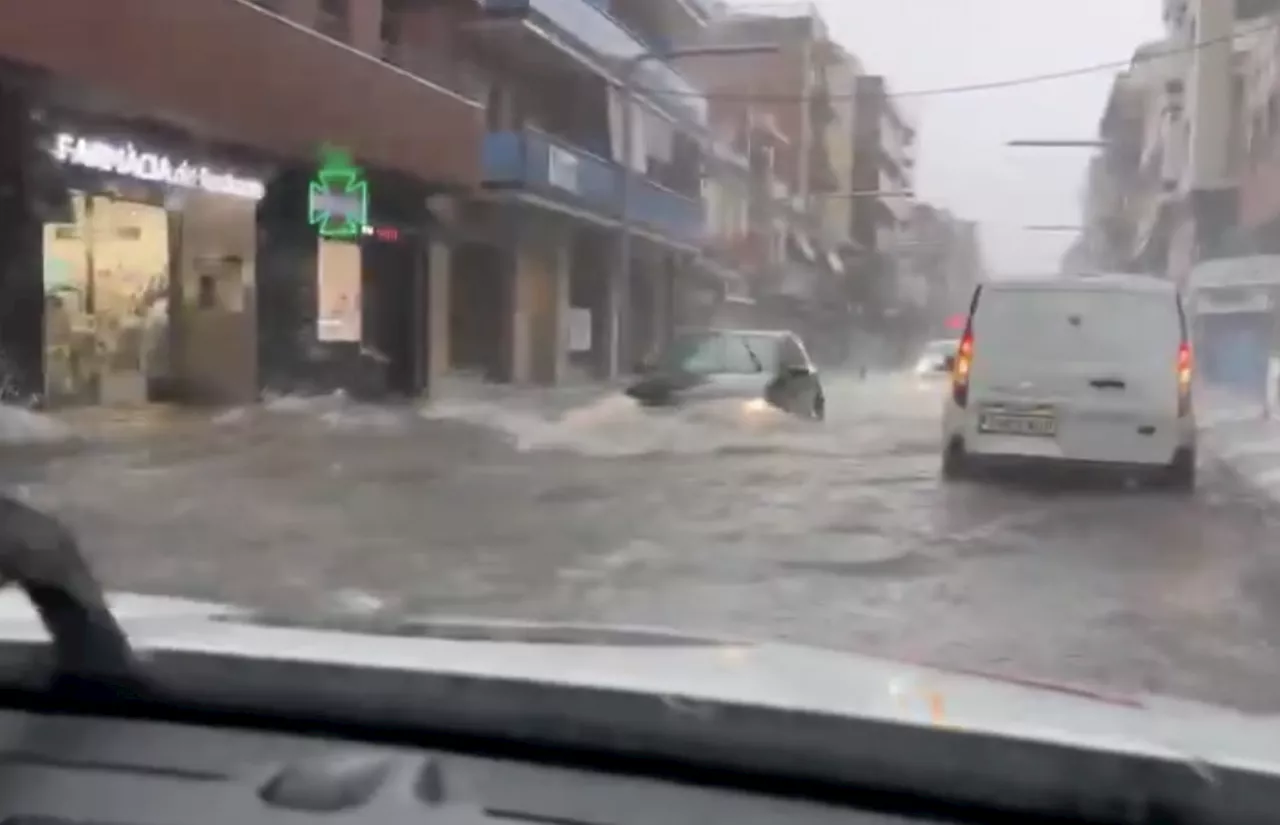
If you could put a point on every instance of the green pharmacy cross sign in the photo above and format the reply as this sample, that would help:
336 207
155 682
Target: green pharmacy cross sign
338 200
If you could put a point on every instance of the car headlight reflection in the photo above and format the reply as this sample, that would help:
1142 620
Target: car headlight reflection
756 406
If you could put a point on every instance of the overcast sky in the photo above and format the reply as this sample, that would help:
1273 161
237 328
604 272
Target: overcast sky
963 163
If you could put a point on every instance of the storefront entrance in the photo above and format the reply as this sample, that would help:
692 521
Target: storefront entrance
148 276
106 287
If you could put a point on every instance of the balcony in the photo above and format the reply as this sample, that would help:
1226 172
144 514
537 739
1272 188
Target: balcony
585 34
537 163
231 71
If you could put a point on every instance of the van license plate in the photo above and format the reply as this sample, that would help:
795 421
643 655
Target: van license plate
1036 425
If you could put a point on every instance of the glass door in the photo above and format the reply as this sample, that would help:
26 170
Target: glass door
106 302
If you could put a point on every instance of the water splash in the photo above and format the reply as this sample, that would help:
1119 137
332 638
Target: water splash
614 426
19 425
335 411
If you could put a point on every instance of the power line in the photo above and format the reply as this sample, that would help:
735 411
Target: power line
991 85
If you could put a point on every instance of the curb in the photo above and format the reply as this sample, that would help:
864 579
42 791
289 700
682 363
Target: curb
1234 470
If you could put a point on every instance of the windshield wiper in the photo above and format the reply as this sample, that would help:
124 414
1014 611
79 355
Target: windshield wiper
39 554
755 359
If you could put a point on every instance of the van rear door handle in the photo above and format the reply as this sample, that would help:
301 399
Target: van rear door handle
1107 384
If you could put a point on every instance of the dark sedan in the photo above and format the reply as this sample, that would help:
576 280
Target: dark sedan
762 368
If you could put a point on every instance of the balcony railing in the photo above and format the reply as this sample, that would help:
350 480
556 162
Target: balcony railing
537 162
603 37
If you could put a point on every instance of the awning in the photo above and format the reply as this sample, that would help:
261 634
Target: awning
242 75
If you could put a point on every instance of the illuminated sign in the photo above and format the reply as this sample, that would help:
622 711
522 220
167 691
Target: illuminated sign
338 200
128 160
387 234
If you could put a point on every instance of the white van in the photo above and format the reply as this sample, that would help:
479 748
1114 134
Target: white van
1092 370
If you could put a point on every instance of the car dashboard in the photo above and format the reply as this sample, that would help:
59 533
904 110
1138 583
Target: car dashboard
72 770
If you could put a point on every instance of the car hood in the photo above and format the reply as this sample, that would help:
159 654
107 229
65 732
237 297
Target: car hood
686 667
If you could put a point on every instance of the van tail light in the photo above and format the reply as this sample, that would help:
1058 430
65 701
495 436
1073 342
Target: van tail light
1184 379
960 370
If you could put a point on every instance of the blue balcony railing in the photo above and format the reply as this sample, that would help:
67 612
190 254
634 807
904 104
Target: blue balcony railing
660 207
604 38
537 162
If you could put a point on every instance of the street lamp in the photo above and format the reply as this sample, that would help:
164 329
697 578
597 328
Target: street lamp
623 272
871 193
1059 144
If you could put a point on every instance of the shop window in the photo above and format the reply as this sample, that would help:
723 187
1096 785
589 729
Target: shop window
106 286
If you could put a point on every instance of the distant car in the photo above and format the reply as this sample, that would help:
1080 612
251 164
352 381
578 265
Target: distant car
937 359
762 368
1089 371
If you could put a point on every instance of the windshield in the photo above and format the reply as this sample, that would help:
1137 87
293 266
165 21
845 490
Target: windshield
717 352
940 349
353 322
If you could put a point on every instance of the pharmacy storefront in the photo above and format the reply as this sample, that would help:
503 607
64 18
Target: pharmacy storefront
149 273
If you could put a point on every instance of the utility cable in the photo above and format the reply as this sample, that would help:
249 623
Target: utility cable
991 85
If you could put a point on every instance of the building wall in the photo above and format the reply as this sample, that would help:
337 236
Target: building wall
112 46
1208 24
542 271
775 79
781 83
1260 187
838 208
885 143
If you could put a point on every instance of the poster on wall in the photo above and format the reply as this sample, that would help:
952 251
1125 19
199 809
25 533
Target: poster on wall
579 329
338 292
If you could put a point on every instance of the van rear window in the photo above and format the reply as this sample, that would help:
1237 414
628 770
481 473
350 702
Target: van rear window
1081 325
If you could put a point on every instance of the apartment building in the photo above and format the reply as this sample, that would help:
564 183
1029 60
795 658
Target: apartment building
783 108
1126 185
749 211
942 262
837 207
1198 104
1132 197
156 161
730 253
590 210
1204 98
883 194
1259 129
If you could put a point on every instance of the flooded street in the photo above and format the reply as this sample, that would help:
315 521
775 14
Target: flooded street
837 534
